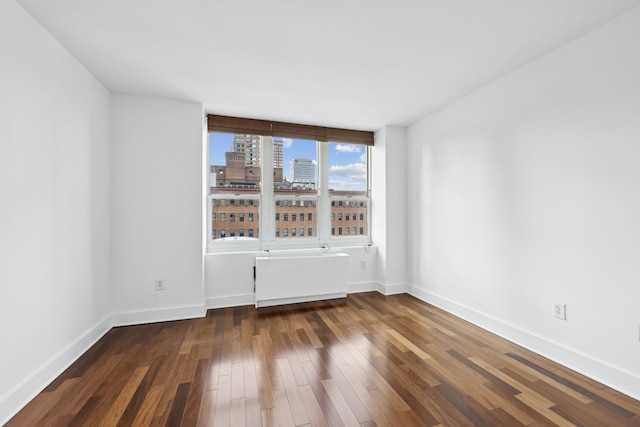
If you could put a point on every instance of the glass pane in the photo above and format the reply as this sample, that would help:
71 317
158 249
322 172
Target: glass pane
347 170
240 219
295 164
295 175
235 171
349 217
234 162
348 178
294 214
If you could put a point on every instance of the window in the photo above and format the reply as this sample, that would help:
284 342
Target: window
233 194
244 165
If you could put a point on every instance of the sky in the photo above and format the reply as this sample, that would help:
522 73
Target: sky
347 162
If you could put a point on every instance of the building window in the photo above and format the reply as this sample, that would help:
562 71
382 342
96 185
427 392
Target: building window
213 233
295 171
223 234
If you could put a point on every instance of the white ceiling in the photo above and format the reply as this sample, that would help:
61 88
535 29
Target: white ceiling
347 63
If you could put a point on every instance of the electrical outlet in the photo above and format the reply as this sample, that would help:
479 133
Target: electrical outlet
363 264
159 285
560 311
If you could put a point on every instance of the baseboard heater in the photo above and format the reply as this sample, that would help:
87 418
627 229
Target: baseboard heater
292 278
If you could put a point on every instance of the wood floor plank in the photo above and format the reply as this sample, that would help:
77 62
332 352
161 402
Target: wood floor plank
367 360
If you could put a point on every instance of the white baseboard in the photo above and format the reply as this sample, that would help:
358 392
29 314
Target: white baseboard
358 287
611 376
17 398
158 315
231 301
394 288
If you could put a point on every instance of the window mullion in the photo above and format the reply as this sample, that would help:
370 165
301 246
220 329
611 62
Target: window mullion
324 204
267 207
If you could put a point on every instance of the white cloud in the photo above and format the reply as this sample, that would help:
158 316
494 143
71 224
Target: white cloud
287 142
354 171
348 148
345 185
363 158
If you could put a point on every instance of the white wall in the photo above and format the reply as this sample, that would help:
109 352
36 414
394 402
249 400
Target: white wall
388 207
55 228
157 209
528 192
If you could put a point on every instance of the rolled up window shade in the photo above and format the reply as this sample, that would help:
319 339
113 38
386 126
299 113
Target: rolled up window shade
228 124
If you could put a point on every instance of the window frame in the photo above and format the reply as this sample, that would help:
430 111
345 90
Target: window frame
265 223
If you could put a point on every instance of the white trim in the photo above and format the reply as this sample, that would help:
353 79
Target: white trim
395 288
358 287
23 393
601 371
158 315
231 301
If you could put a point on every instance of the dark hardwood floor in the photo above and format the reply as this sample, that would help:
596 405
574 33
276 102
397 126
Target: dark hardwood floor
369 360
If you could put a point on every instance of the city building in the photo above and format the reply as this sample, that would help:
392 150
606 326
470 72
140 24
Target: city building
302 173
